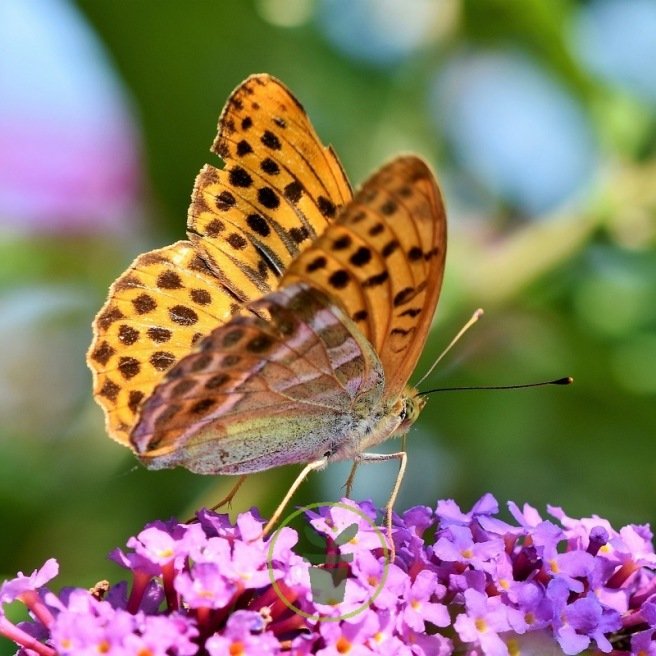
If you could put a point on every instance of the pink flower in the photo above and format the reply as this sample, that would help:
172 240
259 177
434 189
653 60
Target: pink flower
69 149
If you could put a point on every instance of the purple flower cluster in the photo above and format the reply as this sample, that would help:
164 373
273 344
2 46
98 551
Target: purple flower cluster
466 583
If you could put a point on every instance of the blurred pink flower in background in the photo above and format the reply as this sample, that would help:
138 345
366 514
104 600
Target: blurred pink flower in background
69 167
69 156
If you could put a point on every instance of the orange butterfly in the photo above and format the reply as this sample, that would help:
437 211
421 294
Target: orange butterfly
286 328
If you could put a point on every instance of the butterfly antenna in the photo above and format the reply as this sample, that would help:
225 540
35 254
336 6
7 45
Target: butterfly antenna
567 380
473 319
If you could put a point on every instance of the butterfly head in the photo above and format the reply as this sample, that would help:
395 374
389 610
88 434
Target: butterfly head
410 404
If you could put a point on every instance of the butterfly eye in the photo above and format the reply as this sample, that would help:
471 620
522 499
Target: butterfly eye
404 411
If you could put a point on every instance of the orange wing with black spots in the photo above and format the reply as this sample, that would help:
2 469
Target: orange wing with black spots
155 313
278 191
383 261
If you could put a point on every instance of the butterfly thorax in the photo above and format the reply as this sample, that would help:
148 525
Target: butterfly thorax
391 419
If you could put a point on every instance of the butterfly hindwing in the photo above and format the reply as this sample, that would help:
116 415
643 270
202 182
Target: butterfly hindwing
276 386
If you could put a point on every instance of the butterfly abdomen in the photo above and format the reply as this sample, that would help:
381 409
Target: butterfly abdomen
238 449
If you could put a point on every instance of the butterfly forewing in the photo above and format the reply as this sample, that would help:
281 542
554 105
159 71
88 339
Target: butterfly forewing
383 261
263 110
278 191
275 387
280 188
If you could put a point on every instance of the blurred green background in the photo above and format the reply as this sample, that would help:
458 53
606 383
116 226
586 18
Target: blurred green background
539 117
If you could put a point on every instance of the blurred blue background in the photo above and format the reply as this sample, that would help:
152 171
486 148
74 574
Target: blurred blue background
539 117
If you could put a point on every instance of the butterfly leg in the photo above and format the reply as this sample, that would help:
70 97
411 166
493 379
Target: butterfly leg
230 496
402 457
226 499
310 467
351 477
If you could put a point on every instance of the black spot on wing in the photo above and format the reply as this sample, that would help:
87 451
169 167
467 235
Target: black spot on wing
361 257
269 166
316 264
239 177
339 279
258 224
293 191
244 148
270 140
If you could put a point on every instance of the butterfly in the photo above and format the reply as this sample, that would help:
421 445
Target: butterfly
286 327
